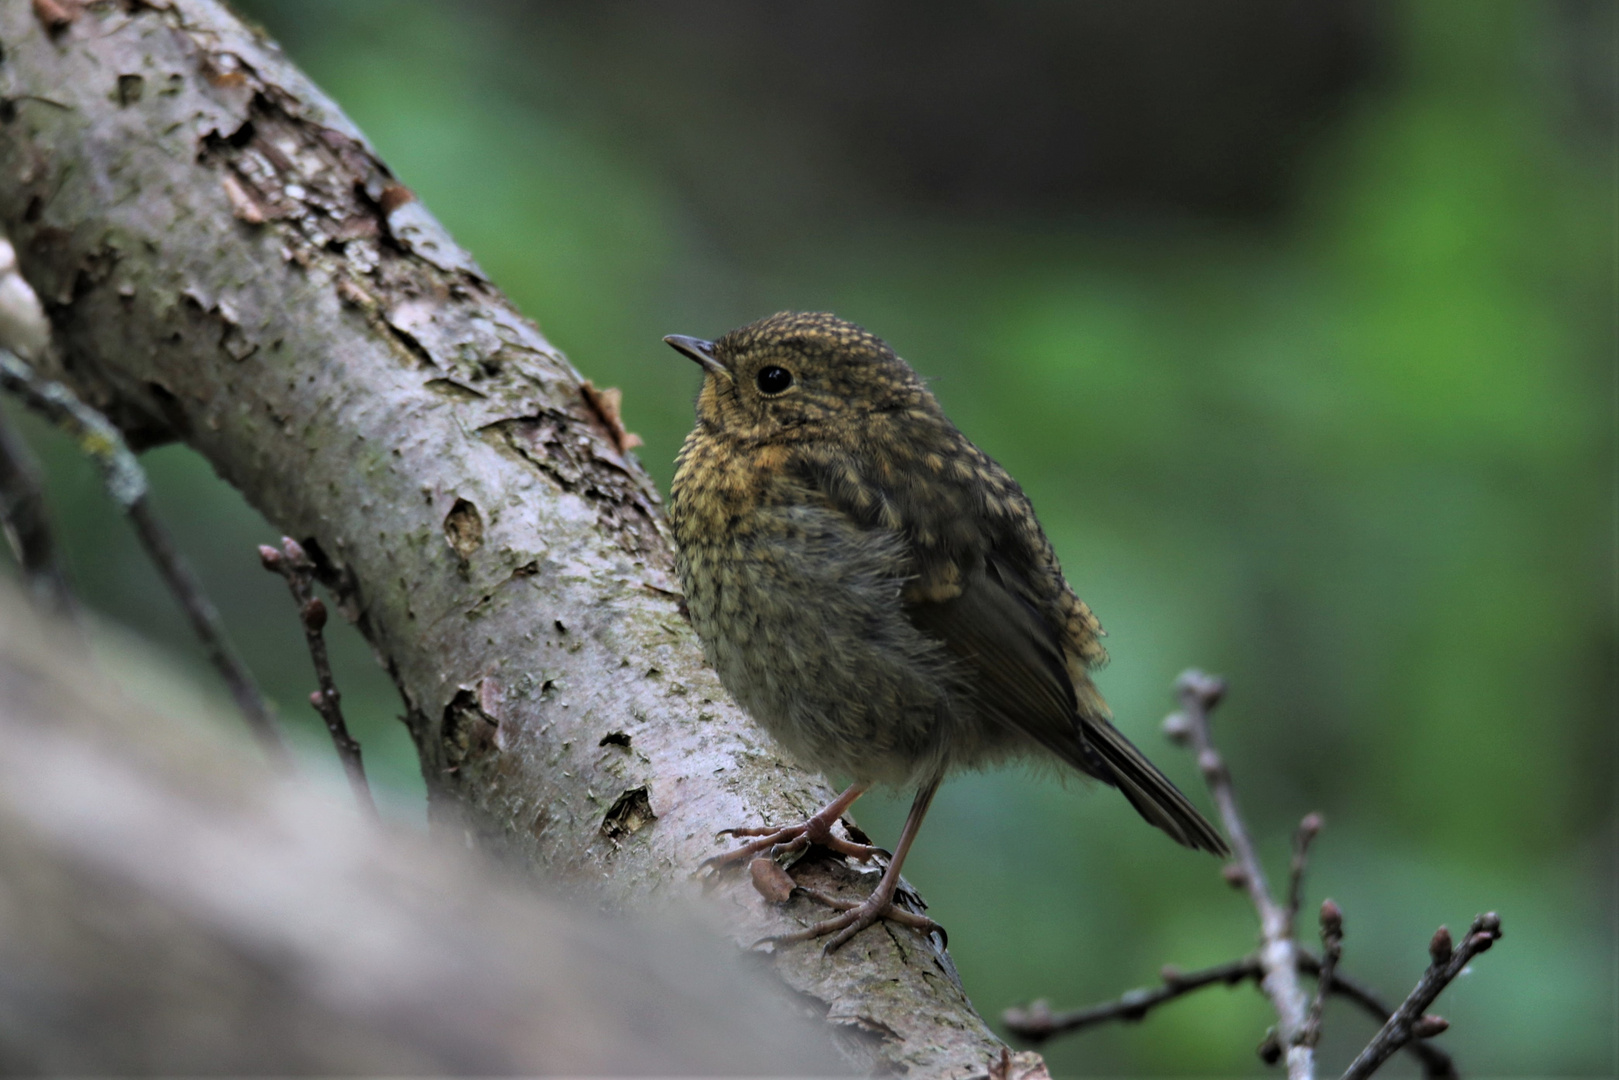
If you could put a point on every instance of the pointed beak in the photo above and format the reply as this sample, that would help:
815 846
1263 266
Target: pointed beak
699 350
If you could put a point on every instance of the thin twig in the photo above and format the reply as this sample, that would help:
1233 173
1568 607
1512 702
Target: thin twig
1278 953
1199 694
1436 1063
1411 1019
294 564
1037 1023
1332 943
126 483
1309 828
28 528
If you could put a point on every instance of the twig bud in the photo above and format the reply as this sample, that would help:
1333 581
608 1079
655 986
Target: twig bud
1332 920
1033 1022
1270 1048
1490 923
313 614
270 557
1426 1027
1212 767
1309 827
1482 941
1177 729
317 698
1441 948
1170 974
1206 689
1235 876
295 553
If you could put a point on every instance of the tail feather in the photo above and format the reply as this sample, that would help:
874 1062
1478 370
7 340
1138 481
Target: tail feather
1150 791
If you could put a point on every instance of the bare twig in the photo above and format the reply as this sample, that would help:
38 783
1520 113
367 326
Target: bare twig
1332 942
1309 828
1436 1063
28 529
1411 1020
294 564
1037 1023
126 483
1199 694
1278 953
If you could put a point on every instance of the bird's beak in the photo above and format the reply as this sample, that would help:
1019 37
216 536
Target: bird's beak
699 350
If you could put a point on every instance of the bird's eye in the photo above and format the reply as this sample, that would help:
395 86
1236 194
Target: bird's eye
773 379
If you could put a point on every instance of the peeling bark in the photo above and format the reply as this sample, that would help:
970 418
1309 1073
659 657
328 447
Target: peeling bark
226 262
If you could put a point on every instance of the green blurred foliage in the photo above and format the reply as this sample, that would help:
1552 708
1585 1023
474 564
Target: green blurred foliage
1360 460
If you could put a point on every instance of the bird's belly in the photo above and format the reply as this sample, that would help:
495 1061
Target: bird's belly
804 625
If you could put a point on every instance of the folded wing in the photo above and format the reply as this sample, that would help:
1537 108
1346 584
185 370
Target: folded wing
1022 680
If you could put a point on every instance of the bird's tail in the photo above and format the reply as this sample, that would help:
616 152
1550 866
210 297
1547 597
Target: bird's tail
1149 790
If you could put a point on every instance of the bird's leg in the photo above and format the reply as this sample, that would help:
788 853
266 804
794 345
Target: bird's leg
817 829
879 904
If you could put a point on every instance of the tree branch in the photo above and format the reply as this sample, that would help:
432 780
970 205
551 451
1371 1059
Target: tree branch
227 262
292 564
1199 694
1278 952
28 528
1332 941
1309 828
125 481
1038 1023
1410 1021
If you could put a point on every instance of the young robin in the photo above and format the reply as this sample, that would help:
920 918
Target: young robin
876 591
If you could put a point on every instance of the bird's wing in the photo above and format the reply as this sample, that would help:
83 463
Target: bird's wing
1018 669
1021 679
974 559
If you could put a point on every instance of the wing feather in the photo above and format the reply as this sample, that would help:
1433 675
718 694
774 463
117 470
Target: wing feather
1022 681
972 553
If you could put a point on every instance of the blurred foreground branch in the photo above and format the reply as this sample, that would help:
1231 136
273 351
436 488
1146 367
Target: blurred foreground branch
1280 960
170 905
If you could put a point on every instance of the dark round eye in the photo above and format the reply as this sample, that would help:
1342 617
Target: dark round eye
773 379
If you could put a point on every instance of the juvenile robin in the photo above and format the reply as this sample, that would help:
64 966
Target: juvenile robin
877 592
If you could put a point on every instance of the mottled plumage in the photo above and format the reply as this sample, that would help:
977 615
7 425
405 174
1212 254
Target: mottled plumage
874 589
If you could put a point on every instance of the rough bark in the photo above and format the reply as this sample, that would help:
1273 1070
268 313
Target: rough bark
225 261
169 905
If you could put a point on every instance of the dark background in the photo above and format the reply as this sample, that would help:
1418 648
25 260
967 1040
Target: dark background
1296 320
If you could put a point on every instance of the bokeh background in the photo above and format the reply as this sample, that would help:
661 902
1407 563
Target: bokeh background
1296 318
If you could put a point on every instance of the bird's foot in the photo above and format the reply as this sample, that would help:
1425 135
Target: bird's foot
856 916
789 840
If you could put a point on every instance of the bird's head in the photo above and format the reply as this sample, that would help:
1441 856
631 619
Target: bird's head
799 376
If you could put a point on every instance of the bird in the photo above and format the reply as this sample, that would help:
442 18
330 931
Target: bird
877 593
